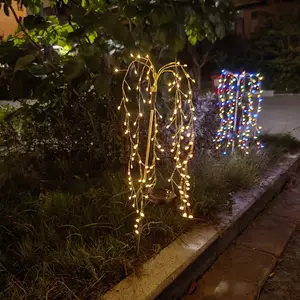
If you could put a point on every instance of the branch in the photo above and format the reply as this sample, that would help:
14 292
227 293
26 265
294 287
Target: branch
193 53
204 59
22 26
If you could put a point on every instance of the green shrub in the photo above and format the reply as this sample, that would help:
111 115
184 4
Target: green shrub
68 224
216 179
71 246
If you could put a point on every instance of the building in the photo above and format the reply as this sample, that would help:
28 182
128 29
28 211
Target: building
251 12
8 24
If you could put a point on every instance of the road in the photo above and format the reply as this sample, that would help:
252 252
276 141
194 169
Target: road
281 114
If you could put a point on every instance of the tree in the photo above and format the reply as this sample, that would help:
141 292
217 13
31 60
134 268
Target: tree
110 30
66 61
276 48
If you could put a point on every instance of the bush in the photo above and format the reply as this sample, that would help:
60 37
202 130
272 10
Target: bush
72 236
65 217
75 246
279 143
216 179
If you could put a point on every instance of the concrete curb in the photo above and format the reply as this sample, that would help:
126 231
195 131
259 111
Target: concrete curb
169 274
286 94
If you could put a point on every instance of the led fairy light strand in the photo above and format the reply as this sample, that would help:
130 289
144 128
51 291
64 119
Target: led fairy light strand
243 119
222 103
238 116
226 110
181 121
256 88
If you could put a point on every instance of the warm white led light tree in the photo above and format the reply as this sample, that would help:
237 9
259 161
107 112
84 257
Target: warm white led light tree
142 111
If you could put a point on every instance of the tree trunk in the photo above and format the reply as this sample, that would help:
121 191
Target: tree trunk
199 62
199 73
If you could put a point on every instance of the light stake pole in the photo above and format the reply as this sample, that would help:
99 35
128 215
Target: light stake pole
231 132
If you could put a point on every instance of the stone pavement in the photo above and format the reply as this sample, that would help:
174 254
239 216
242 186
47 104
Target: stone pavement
241 271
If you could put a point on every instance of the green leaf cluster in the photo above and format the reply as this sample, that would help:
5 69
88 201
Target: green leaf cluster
65 60
275 45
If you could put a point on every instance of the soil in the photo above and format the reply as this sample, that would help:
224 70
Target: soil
284 282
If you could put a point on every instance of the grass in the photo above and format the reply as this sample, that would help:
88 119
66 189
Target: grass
72 238
280 143
63 245
216 179
76 244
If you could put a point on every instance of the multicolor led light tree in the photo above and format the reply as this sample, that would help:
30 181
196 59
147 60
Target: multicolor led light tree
239 106
139 101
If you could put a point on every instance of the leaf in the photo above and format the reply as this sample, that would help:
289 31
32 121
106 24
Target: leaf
73 68
92 36
212 18
155 16
162 36
130 11
178 44
220 30
113 26
166 17
145 45
23 62
193 39
101 83
32 22
53 20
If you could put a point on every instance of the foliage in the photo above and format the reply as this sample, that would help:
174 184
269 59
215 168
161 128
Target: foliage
72 237
96 35
277 50
233 53
206 124
217 178
65 63
281 142
64 215
73 246
273 49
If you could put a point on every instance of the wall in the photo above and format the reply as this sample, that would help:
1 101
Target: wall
8 25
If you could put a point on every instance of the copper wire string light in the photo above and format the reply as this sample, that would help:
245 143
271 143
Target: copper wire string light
139 102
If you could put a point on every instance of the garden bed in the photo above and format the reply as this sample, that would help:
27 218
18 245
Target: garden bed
70 236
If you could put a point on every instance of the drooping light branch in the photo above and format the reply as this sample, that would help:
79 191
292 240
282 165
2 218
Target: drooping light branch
139 102
240 97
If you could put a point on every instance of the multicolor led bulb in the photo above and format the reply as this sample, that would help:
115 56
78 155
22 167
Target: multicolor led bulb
239 107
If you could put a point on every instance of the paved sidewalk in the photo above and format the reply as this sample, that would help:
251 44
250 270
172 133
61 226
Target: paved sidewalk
281 114
241 271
